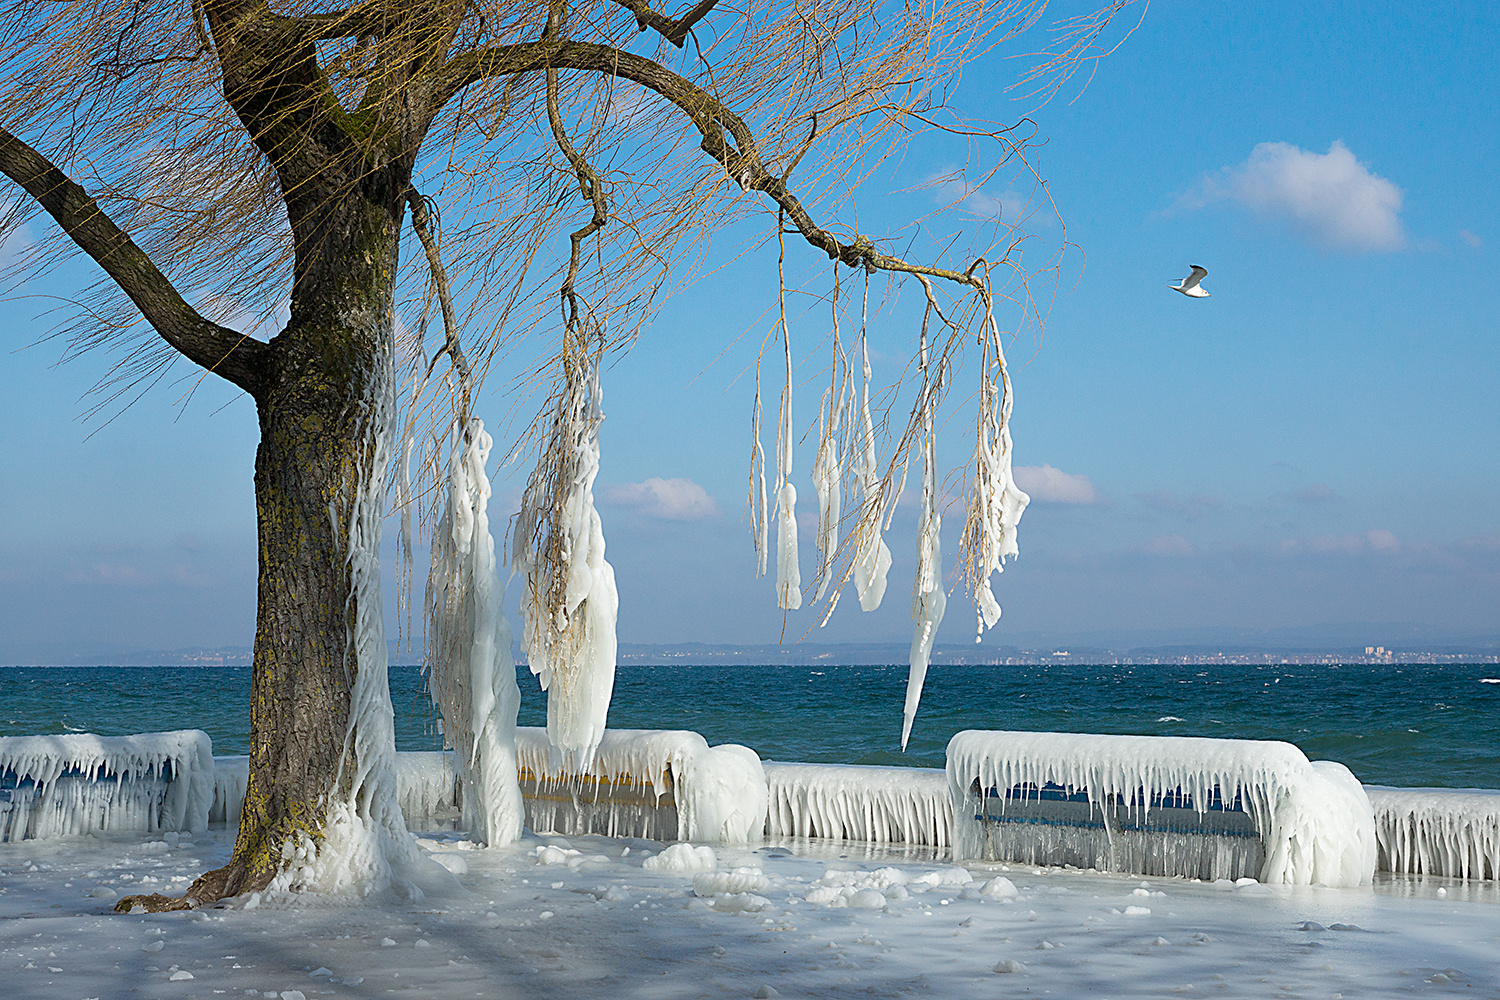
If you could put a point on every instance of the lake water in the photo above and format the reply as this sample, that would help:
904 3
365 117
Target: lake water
1407 725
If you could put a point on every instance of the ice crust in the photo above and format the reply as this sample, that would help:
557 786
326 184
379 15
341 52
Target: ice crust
471 676
80 783
1438 831
1314 820
882 805
666 784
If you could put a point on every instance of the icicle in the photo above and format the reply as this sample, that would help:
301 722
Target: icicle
759 529
570 605
872 559
827 475
996 503
471 676
788 571
929 600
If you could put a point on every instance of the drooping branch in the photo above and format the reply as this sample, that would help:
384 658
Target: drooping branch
232 355
421 222
591 188
737 151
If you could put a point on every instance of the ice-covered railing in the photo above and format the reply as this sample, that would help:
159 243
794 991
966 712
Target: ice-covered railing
426 789
66 785
1438 831
1164 805
662 784
880 805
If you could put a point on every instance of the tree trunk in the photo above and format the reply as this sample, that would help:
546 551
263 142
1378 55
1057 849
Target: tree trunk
322 740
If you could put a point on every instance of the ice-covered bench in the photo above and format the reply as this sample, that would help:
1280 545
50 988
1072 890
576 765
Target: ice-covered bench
880 805
1438 831
1160 805
79 783
660 784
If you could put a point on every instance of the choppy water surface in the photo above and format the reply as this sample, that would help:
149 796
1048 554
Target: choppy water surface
1393 725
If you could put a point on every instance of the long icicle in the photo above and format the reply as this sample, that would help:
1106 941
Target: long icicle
759 525
872 559
788 572
828 470
929 600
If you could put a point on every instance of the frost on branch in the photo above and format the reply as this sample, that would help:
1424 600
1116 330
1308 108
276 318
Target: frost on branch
929 601
872 559
828 470
788 572
995 502
471 676
570 604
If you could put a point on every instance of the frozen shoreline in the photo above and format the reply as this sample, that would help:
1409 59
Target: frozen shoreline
596 923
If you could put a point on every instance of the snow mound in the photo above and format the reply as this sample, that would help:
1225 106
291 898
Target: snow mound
682 858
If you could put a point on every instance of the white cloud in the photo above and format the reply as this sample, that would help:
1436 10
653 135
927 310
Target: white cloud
669 499
952 191
1051 485
1331 197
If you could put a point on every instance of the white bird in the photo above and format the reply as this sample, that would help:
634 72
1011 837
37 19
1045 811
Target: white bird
1189 285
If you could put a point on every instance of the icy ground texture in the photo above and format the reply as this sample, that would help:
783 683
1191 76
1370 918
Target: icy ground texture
1437 831
56 786
881 805
1314 820
572 919
718 793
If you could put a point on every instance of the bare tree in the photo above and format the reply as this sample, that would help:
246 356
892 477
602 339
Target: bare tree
223 159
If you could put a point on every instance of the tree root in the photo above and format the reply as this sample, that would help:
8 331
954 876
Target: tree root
210 887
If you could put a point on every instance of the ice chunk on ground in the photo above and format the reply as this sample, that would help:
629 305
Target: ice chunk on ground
682 858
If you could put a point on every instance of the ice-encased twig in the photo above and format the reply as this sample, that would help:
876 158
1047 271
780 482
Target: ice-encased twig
788 570
570 604
872 558
470 674
995 502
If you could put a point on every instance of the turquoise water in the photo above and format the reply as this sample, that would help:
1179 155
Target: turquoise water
1392 725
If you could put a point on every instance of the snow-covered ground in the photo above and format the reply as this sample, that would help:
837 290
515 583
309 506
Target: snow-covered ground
588 918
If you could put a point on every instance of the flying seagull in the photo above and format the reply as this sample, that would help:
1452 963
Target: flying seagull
1189 285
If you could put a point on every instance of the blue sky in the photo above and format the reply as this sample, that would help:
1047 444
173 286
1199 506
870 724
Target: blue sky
1315 443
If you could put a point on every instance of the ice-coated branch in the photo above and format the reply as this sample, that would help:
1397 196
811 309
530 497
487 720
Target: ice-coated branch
226 353
788 570
929 600
872 558
828 468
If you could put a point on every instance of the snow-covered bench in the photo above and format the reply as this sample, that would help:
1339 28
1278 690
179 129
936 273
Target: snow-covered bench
1160 805
1438 831
880 805
79 783
660 784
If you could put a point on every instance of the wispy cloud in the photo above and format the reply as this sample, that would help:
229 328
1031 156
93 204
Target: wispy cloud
1190 507
1167 545
1331 197
952 190
1374 540
668 499
1470 238
1051 485
1312 493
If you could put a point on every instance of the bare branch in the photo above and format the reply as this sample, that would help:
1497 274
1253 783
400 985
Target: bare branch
222 351
674 31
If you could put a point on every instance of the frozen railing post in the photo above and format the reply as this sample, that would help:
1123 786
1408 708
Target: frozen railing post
80 783
1438 831
1160 805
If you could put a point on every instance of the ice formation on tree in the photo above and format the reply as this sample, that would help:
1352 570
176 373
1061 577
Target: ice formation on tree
427 788
80 783
872 558
470 674
788 571
569 606
365 846
1438 831
827 473
929 600
1313 821
995 502
664 784
880 805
